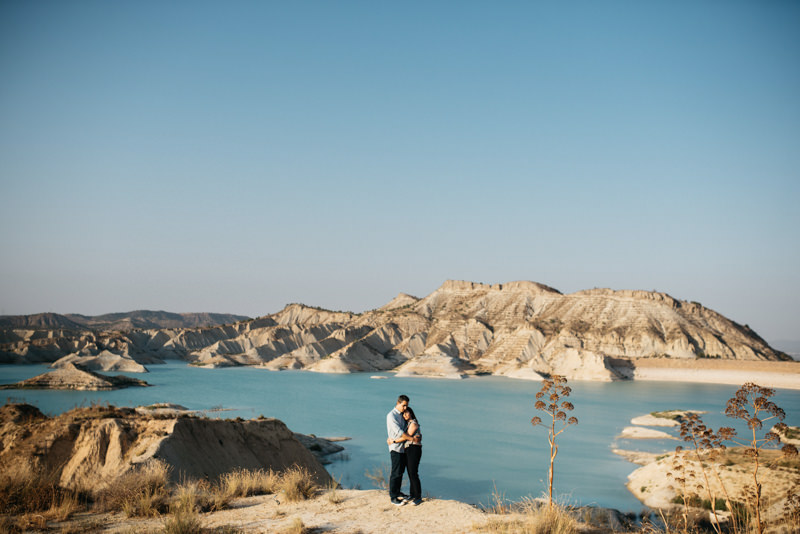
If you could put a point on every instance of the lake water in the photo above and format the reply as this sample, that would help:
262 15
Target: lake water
477 432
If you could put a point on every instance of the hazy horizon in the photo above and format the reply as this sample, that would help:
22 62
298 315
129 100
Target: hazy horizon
233 158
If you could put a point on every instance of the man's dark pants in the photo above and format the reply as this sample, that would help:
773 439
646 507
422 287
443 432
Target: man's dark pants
396 478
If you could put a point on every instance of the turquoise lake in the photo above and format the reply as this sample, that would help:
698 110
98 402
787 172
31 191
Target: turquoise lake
477 431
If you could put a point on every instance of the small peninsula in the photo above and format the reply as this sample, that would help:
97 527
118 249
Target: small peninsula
71 377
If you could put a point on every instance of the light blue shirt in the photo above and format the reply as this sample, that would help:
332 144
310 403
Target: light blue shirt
395 427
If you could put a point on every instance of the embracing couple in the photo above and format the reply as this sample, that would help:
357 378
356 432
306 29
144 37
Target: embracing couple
405 448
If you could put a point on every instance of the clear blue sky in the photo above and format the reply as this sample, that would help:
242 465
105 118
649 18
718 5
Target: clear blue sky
237 156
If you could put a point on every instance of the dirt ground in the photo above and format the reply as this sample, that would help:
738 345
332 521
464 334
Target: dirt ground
349 512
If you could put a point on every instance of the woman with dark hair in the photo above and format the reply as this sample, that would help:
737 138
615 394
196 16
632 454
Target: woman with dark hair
413 455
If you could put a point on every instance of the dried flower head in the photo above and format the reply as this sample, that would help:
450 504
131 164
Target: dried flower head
555 390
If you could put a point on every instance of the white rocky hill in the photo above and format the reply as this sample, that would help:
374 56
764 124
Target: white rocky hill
521 329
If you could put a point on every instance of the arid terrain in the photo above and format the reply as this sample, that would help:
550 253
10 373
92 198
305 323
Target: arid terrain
124 470
163 469
519 329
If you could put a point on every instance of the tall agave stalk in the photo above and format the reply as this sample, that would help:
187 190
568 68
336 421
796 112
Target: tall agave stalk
554 390
751 404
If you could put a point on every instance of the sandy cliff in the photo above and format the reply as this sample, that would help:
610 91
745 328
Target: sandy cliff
88 448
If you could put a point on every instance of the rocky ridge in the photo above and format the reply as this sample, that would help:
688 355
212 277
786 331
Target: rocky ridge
122 322
521 329
88 448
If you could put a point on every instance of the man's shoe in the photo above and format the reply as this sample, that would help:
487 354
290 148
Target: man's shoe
403 496
398 502
415 502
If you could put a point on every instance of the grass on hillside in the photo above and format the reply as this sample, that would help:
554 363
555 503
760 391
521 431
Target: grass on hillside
31 499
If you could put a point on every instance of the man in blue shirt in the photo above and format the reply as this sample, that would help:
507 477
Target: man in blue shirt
396 428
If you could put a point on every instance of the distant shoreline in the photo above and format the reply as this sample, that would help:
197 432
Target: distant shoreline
781 375
773 374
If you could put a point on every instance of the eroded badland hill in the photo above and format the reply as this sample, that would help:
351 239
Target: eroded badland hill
521 329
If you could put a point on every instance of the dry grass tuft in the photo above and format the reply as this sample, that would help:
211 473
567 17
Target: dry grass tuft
244 482
332 493
24 489
535 519
29 497
197 495
182 522
297 484
68 504
295 527
499 504
379 475
138 493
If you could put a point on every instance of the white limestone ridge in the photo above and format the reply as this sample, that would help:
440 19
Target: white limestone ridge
519 329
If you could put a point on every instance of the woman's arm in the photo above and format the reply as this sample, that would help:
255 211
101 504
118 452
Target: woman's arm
401 439
412 428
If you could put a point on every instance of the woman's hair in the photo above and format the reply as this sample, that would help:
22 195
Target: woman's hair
410 413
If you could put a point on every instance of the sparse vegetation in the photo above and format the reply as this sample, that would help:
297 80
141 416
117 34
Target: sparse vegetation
184 518
752 404
791 432
554 389
685 485
706 448
295 527
29 498
499 504
536 518
673 415
379 475
141 492
296 484
332 493
244 482
693 467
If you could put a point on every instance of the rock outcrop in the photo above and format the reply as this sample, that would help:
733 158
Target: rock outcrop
71 377
734 477
104 361
519 329
88 448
